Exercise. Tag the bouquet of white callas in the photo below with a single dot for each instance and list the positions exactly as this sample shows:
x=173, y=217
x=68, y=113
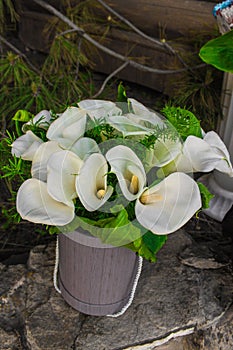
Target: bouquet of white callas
x=118, y=170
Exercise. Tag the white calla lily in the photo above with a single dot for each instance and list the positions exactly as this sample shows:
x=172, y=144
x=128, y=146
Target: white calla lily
x=181, y=163
x=41, y=119
x=41, y=157
x=98, y=109
x=208, y=154
x=91, y=182
x=26, y=145
x=163, y=152
x=63, y=167
x=128, y=127
x=167, y=206
x=225, y=165
x=84, y=147
x=128, y=169
x=68, y=128
x=142, y=115
x=36, y=205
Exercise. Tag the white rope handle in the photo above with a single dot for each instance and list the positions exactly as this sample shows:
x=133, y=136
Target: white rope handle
x=131, y=298
x=55, y=271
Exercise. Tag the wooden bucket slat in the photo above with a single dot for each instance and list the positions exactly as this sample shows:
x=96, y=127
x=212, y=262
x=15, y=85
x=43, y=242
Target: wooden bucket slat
x=95, y=281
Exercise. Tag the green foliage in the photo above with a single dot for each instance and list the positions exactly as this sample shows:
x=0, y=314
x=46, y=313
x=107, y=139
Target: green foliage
x=201, y=94
x=198, y=90
x=148, y=245
x=12, y=167
x=118, y=229
x=121, y=93
x=7, y=11
x=62, y=77
x=22, y=116
x=13, y=172
x=219, y=52
x=206, y=196
x=115, y=229
x=183, y=120
x=22, y=89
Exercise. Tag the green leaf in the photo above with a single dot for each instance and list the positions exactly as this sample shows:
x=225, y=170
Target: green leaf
x=183, y=120
x=155, y=242
x=219, y=52
x=148, y=245
x=116, y=230
x=121, y=93
x=22, y=116
x=206, y=196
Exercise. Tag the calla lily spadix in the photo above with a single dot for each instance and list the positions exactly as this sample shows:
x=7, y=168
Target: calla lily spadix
x=36, y=205
x=26, y=145
x=91, y=182
x=128, y=169
x=68, y=128
x=97, y=109
x=63, y=167
x=41, y=157
x=167, y=206
x=84, y=147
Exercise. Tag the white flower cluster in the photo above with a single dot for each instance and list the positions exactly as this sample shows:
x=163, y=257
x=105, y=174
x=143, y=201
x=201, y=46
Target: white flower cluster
x=70, y=165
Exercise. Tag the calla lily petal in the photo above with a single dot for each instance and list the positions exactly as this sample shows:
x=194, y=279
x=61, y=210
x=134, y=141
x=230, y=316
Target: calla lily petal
x=217, y=144
x=143, y=114
x=128, y=169
x=163, y=153
x=167, y=206
x=203, y=157
x=180, y=164
x=41, y=157
x=26, y=145
x=36, y=205
x=128, y=127
x=43, y=119
x=91, y=182
x=84, y=147
x=98, y=109
x=68, y=128
x=62, y=169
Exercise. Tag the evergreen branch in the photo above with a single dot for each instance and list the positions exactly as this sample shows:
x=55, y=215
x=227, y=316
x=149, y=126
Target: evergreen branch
x=21, y=54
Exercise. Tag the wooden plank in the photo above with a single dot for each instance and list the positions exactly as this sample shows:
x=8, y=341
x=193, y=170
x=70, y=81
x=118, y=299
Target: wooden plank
x=153, y=16
x=32, y=30
x=176, y=17
x=29, y=5
x=127, y=43
x=143, y=51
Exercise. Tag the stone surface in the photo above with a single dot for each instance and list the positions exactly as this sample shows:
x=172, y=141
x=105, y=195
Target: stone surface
x=9, y=340
x=180, y=304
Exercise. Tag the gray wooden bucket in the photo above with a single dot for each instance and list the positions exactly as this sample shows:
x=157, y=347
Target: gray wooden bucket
x=94, y=278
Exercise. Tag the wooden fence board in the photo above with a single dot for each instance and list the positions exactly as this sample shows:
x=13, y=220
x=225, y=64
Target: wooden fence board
x=177, y=17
